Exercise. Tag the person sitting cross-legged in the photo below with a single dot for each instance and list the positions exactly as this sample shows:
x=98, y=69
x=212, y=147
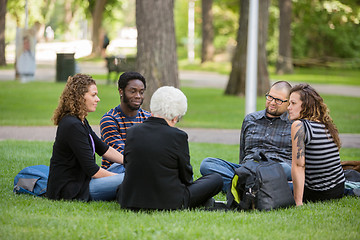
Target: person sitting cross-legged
x=114, y=123
x=74, y=174
x=268, y=131
x=156, y=157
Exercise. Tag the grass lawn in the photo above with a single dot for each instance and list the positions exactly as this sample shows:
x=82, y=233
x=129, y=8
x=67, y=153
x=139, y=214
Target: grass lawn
x=26, y=217
x=318, y=75
x=32, y=104
x=321, y=76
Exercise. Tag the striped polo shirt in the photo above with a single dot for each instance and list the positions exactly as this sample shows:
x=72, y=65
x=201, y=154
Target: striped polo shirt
x=322, y=160
x=113, y=126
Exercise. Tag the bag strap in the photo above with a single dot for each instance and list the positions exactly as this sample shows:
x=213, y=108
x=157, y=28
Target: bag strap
x=259, y=156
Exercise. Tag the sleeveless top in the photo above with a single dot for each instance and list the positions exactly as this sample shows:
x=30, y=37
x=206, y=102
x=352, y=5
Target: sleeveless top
x=323, y=170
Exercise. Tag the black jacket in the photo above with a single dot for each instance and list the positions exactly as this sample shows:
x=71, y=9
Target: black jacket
x=158, y=169
x=73, y=160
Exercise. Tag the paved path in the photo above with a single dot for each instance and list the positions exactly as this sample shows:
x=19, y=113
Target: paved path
x=223, y=136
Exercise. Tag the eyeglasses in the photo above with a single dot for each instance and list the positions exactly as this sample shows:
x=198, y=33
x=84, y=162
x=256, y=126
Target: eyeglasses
x=278, y=101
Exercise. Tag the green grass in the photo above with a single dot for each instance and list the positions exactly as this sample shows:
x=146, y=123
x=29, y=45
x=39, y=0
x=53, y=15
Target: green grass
x=8, y=66
x=321, y=76
x=33, y=104
x=219, y=67
x=317, y=75
x=27, y=217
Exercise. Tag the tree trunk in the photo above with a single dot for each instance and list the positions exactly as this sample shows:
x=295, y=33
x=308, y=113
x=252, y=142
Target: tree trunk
x=237, y=80
x=97, y=15
x=284, y=62
x=207, y=51
x=68, y=18
x=236, y=83
x=156, y=45
x=263, y=81
x=2, y=32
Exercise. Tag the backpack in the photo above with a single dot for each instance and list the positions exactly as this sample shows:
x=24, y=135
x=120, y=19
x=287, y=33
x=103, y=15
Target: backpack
x=32, y=180
x=352, y=182
x=260, y=184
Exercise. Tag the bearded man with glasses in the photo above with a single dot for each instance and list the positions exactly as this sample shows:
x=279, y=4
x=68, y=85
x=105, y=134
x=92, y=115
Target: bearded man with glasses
x=268, y=130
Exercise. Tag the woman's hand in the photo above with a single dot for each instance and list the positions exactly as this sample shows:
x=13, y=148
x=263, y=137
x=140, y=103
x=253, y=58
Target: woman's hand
x=103, y=173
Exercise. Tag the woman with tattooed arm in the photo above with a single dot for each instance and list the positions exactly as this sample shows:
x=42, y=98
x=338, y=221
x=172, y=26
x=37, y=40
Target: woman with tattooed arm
x=316, y=171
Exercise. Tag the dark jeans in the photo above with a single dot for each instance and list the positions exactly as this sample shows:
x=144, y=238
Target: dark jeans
x=203, y=189
x=227, y=170
x=314, y=196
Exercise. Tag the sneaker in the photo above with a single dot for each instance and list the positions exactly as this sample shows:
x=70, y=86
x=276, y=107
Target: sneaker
x=218, y=206
x=357, y=192
x=209, y=203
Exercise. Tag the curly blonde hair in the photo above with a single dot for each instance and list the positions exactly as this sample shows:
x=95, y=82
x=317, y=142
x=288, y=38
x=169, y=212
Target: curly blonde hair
x=314, y=109
x=72, y=101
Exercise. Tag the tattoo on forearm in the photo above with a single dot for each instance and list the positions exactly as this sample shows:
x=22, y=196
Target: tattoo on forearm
x=300, y=136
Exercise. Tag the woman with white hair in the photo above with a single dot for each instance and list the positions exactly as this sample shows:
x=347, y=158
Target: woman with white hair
x=156, y=157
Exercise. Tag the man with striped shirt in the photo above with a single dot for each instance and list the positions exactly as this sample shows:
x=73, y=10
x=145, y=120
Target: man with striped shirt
x=116, y=121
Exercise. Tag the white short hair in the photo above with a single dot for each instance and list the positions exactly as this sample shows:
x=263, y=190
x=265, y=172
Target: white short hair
x=168, y=102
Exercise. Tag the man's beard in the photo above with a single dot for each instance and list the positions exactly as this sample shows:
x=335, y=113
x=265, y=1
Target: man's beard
x=127, y=102
x=274, y=113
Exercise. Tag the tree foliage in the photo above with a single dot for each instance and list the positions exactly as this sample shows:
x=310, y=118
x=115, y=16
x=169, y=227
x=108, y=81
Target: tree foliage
x=320, y=28
x=38, y=11
x=326, y=29
x=225, y=21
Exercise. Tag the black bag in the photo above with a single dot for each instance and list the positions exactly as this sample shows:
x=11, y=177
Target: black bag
x=259, y=184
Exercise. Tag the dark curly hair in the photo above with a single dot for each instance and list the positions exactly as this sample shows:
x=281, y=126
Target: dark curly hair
x=72, y=100
x=314, y=109
x=128, y=76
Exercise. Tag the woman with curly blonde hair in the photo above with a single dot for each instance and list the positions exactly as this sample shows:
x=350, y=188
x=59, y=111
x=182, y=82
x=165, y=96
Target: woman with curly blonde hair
x=316, y=171
x=74, y=173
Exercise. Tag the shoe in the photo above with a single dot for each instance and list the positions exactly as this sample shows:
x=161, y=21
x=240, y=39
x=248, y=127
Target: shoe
x=357, y=192
x=209, y=203
x=218, y=206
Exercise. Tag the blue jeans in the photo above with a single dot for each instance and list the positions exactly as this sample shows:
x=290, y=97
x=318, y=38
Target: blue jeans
x=116, y=168
x=104, y=189
x=227, y=170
